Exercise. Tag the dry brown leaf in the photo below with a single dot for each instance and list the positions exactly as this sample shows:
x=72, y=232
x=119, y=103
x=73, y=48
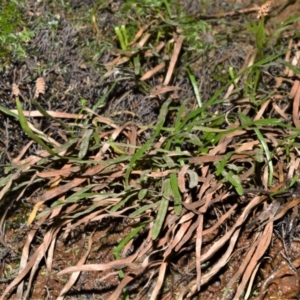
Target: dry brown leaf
x=216, y=246
x=192, y=288
x=153, y=71
x=41, y=254
x=155, y=174
x=294, y=89
x=160, y=281
x=117, y=61
x=57, y=191
x=262, y=110
x=22, y=153
x=280, y=111
x=118, y=291
x=220, y=221
x=247, y=146
x=199, y=238
x=11, y=180
x=140, y=32
x=209, y=197
x=66, y=171
x=50, y=253
x=178, y=237
x=181, y=179
x=296, y=104
x=143, y=40
x=176, y=51
x=205, y=185
x=55, y=114
x=188, y=235
x=26, y=253
x=118, y=264
x=75, y=275
x=118, y=130
x=32, y=266
x=132, y=139
x=264, y=242
x=206, y=159
x=159, y=90
x=158, y=48
x=245, y=261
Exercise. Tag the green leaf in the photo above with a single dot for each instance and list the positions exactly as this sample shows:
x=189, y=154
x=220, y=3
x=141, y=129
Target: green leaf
x=260, y=36
x=45, y=114
x=121, y=203
x=290, y=20
x=142, y=194
x=142, y=209
x=267, y=153
x=29, y=132
x=81, y=194
x=194, y=85
x=85, y=143
x=176, y=194
x=222, y=164
x=245, y=120
x=160, y=122
x=163, y=209
x=8, y=112
x=235, y=181
x=181, y=111
x=137, y=64
x=130, y=236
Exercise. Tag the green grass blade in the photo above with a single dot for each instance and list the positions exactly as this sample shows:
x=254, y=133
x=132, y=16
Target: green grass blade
x=160, y=122
x=195, y=86
x=100, y=102
x=176, y=194
x=120, y=37
x=268, y=154
x=45, y=114
x=85, y=143
x=142, y=194
x=81, y=194
x=163, y=209
x=222, y=164
x=29, y=132
x=235, y=181
x=8, y=112
x=122, y=203
x=130, y=236
x=142, y=209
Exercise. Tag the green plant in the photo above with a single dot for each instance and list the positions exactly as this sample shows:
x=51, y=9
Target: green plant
x=177, y=189
x=14, y=35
